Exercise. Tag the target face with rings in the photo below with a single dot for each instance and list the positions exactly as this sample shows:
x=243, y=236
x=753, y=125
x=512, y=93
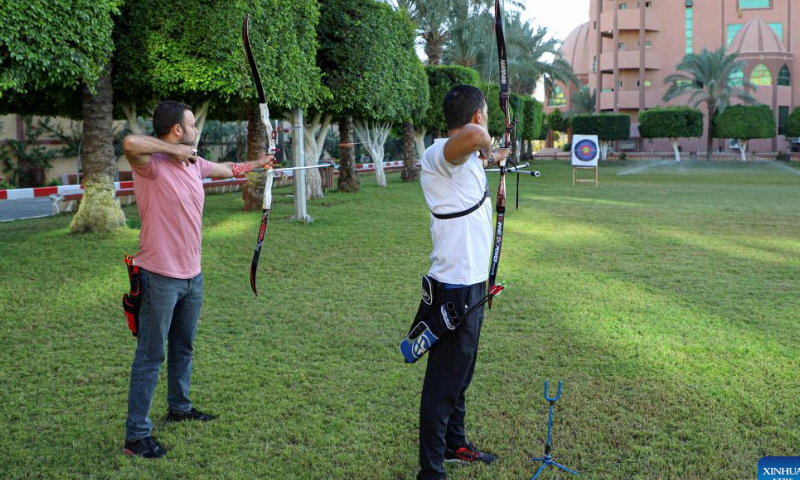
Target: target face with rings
x=586, y=150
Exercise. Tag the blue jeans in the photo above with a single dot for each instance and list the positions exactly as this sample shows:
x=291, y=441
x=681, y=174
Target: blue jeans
x=169, y=312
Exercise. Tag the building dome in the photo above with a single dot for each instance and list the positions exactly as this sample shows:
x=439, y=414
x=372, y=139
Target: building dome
x=756, y=37
x=575, y=50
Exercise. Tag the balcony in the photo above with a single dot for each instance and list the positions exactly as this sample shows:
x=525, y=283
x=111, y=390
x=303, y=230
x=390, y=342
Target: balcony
x=629, y=99
x=628, y=19
x=629, y=60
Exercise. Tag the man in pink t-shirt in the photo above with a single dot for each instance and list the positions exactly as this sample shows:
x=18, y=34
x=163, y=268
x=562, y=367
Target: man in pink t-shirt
x=168, y=184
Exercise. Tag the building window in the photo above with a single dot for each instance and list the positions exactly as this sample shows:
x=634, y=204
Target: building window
x=761, y=75
x=619, y=84
x=607, y=90
x=558, y=99
x=778, y=29
x=783, y=114
x=648, y=4
x=594, y=64
x=746, y=4
x=737, y=78
x=733, y=29
x=784, y=77
x=646, y=83
x=689, y=27
x=647, y=44
x=623, y=6
x=622, y=45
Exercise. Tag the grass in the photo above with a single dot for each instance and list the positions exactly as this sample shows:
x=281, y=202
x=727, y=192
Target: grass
x=667, y=301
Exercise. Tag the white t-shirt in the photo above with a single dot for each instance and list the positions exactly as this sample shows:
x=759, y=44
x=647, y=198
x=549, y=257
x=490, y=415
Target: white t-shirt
x=462, y=247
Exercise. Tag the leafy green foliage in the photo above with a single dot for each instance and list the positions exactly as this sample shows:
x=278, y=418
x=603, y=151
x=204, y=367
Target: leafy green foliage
x=54, y=43
x=557, y=122
x=706, y=78
x=745, y=122
x=162, y=55
x=497, y=119
x=584, y=101
x=793, y=123
x=367, y=53
x=671, y=122
x=515, y=105
x=607, y=126
x=441, y=79
x=532, y=111
x=544, y=130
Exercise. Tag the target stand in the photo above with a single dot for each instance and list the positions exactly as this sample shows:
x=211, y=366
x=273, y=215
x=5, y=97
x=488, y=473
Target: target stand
x=576, y=180
x=585, y=152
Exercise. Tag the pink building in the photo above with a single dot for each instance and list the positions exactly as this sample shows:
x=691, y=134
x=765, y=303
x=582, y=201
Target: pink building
x=628, y=47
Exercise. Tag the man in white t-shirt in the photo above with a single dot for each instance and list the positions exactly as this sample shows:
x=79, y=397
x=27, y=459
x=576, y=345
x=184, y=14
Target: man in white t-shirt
x=456, y=191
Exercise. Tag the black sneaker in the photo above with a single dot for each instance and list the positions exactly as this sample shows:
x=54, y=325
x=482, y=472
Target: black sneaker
x=192, y=414
x=146, y=447
x=468, y=454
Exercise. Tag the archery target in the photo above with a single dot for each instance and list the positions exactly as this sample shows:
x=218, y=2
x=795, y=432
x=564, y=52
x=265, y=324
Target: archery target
x=585, y=151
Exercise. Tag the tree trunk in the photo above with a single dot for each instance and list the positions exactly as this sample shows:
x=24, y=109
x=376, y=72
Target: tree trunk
x=200, y=115
x=99, y=210
x=743, y=149
x=348, y=177
x=419, y=141
x=253, y=190
x=513, y=155
x=314, y=132
x=129, y=110
x=675, y=149
x=433, y=47
x=710, y=141
x=409, y=159
x=604, y=144
x=372, y=134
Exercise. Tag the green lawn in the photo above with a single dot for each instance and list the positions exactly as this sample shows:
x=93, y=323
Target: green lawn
x=667, y=300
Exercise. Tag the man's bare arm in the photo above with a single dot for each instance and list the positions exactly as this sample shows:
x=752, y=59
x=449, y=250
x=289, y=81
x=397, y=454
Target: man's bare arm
x=226, y=169
x=138, y=149
x=470, y=139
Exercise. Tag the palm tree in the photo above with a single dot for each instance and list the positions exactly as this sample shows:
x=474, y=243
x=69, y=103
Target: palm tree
x=707, y=77
x=472, y=44
x=583, y=102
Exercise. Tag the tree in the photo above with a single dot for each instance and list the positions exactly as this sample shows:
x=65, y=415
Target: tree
x=438, y=21
x=607, y=126
x=516, y=113
x=583, y=102
x=706, y=77
x=409, y=173
x=557, y=122
x=744, y=123
x=672, y=123
x=441, y=79
x=793, y=124
x=532, y=111
x=366, y=50
x=53, y=47
x=530, y=53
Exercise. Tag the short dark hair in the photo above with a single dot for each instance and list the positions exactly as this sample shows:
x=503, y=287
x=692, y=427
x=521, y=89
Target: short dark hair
x=167, y=114
x=460, y=103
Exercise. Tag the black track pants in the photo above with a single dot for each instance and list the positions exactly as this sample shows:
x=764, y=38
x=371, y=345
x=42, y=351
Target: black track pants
x=451, y=363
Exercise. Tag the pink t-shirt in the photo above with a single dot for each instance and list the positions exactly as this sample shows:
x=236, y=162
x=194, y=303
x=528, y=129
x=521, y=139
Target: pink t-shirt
x=170, y=199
